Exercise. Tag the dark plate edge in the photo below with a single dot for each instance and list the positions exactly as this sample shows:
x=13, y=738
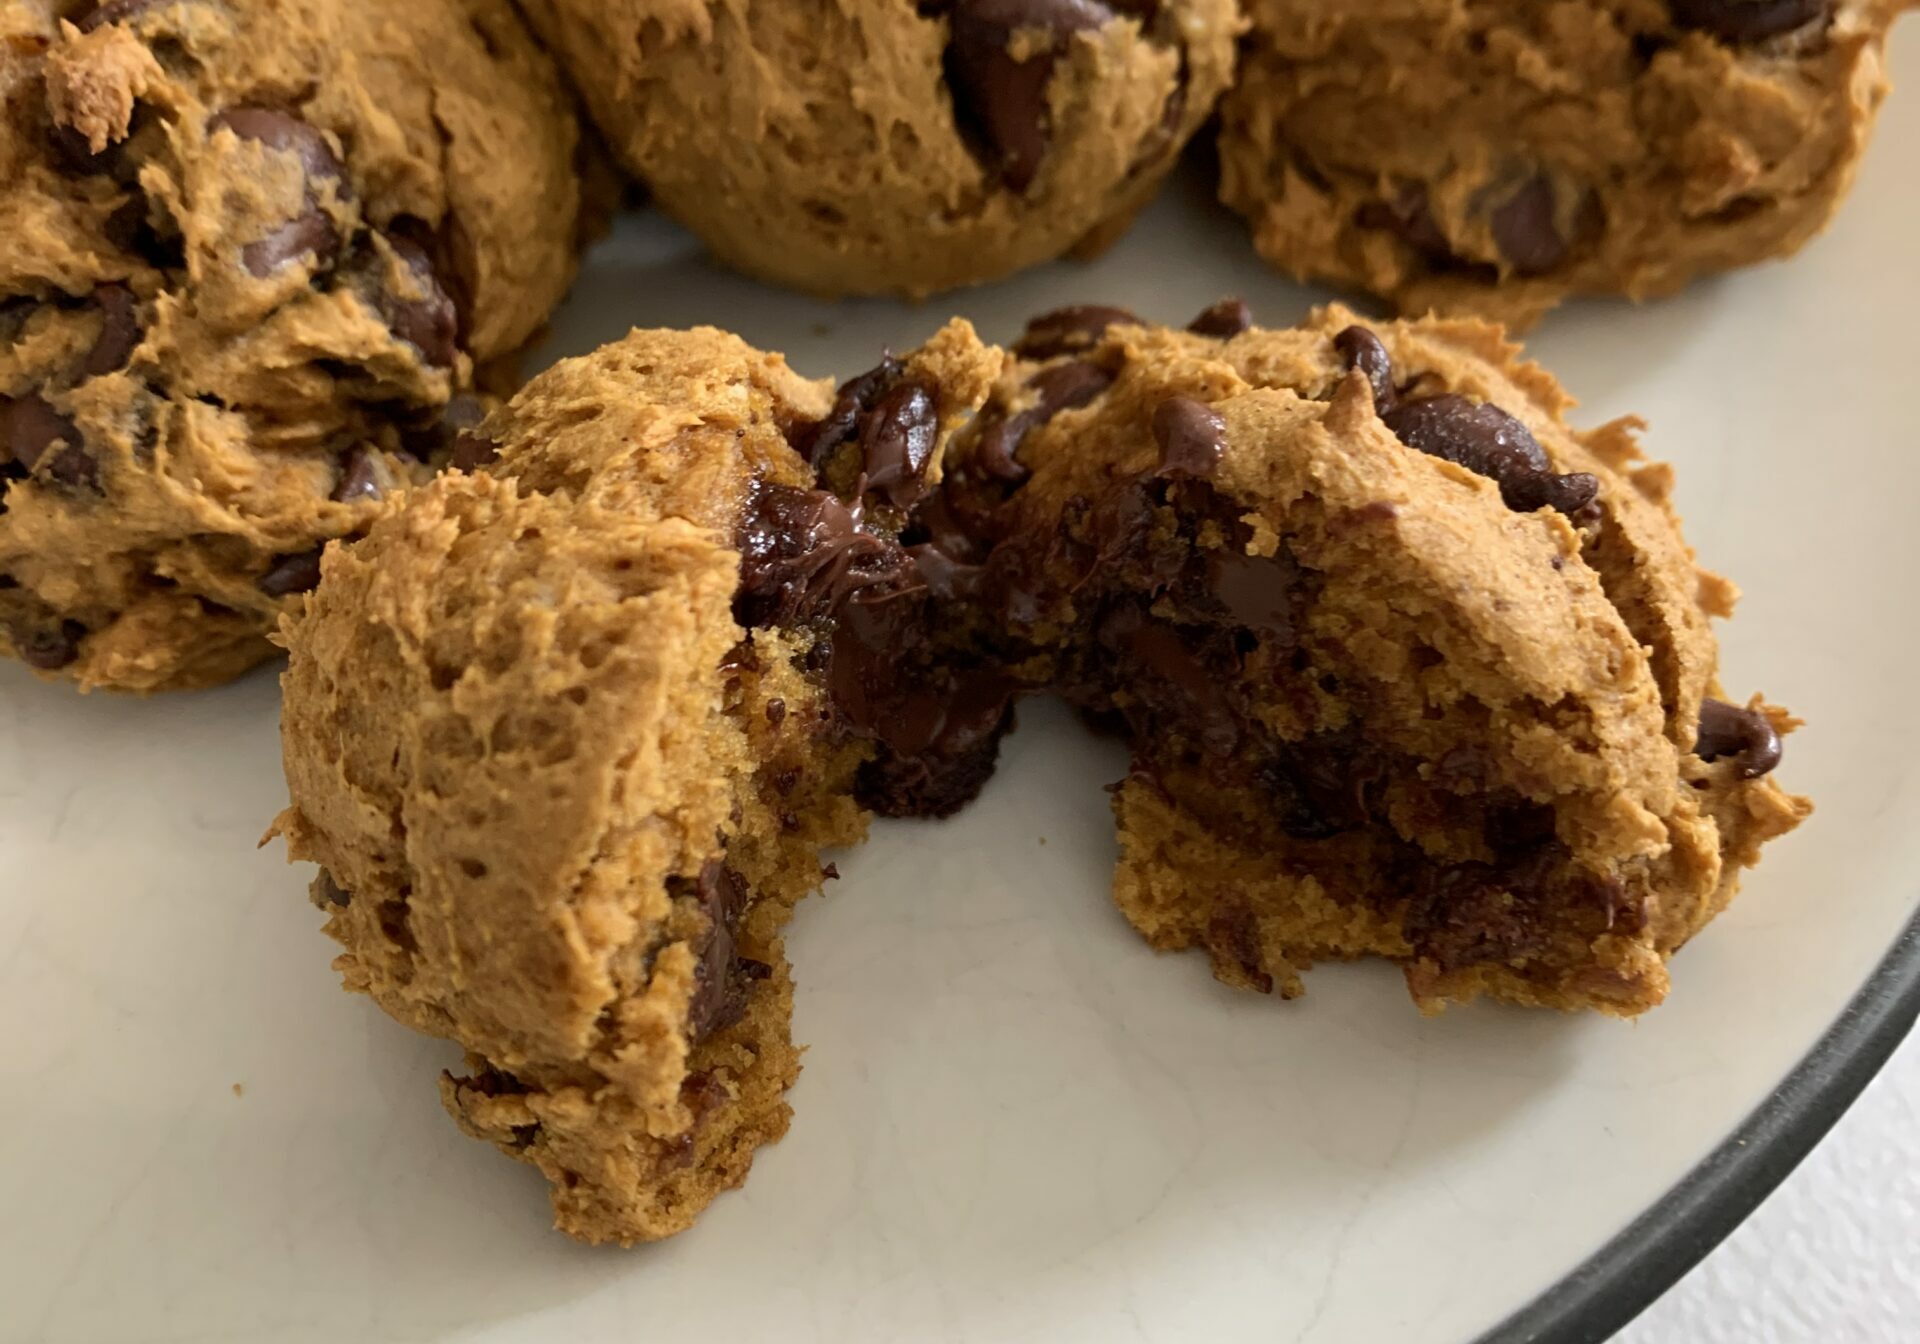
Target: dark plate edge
x=1656, y=1250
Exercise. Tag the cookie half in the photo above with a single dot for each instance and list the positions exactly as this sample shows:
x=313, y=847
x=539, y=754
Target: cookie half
x=568, y=736
x=1409, y=668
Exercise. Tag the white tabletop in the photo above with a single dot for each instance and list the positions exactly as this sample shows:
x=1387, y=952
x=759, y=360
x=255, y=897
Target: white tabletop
x=1833, y=1254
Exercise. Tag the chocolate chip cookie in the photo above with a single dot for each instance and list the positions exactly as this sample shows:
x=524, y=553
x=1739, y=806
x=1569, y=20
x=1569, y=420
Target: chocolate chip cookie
x=1494, y=157
x=887, y=146
x=254, y=258
x=1409, y=668
x=568, y=734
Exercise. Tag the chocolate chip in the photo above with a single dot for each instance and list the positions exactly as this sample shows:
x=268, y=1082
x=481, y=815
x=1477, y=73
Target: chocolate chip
x=816, y=440
x=1488, y=442
x=129, y=229
x=719, y=996
x=126, y=228
x=1465, y=914
x=311, y=231
x=1192, y=436
x=1746, y=735
x=29, y=426
x=1169, y=679
x=114, y=11
x=952, y=756
x=897, y=439
x=1002, y=99
x=472, y=451
x=1363, y=351
x=803, y=553
x=359, y=477
x=1525, y=230
x=1067, y=330
x=945, y=577
x=430, y=323
x=309, y=234
x=776, y=712
x=1225, y=319
x=334, y=893
x=119, y=331
x=1409, y=215
x=1747, y=20
x=293, y=573
x=1062, y=387
x=1260, y=593
x=51, y=648
x=73, y=467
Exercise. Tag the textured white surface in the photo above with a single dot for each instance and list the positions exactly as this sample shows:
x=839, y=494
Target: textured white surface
x=1016, y=1122
x=1833, y=1255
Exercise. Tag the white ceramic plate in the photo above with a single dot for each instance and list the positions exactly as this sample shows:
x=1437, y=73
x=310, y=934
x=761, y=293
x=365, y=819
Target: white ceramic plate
x=1016, y=1122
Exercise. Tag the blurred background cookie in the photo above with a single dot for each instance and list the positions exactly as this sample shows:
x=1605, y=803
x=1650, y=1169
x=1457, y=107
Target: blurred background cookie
x=256, y=259
x=883, y=146
x=1496, y=156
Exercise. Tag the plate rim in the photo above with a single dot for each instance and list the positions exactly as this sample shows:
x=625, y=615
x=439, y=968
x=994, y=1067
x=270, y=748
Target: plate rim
x=1638, y=1264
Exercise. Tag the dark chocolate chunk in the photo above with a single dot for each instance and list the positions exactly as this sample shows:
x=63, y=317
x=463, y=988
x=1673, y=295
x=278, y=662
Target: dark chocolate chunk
x=1061, y=387
x=472, y=451
x=1746, y=735
x=30, y=426
x=815, y=440
x=129, y=229
x=119, y=331
x=1408, y=215
x=1465, y=914
x=1225, y=319
x=1171, y=682
x=1260, y=593
x=430, y=322
x=1525, y=230
x=1192, y=436
x=1363, y=351
x=293, y=573
x=776, y=712
x=1065, y=331
x=334, y=893
x=1747, y=20
x=50, y=648
x=897, y=438
x=74, y=467
x=1322, y=785
x=803, y=554
x=1000, y=99
x=1488, y=442
x=957, y=732
x=311, y=231
x=359, y=477
x=720, y=994
x=944, y=576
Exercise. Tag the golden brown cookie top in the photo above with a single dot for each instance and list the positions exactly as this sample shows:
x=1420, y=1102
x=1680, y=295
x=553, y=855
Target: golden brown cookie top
x=881, y=146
